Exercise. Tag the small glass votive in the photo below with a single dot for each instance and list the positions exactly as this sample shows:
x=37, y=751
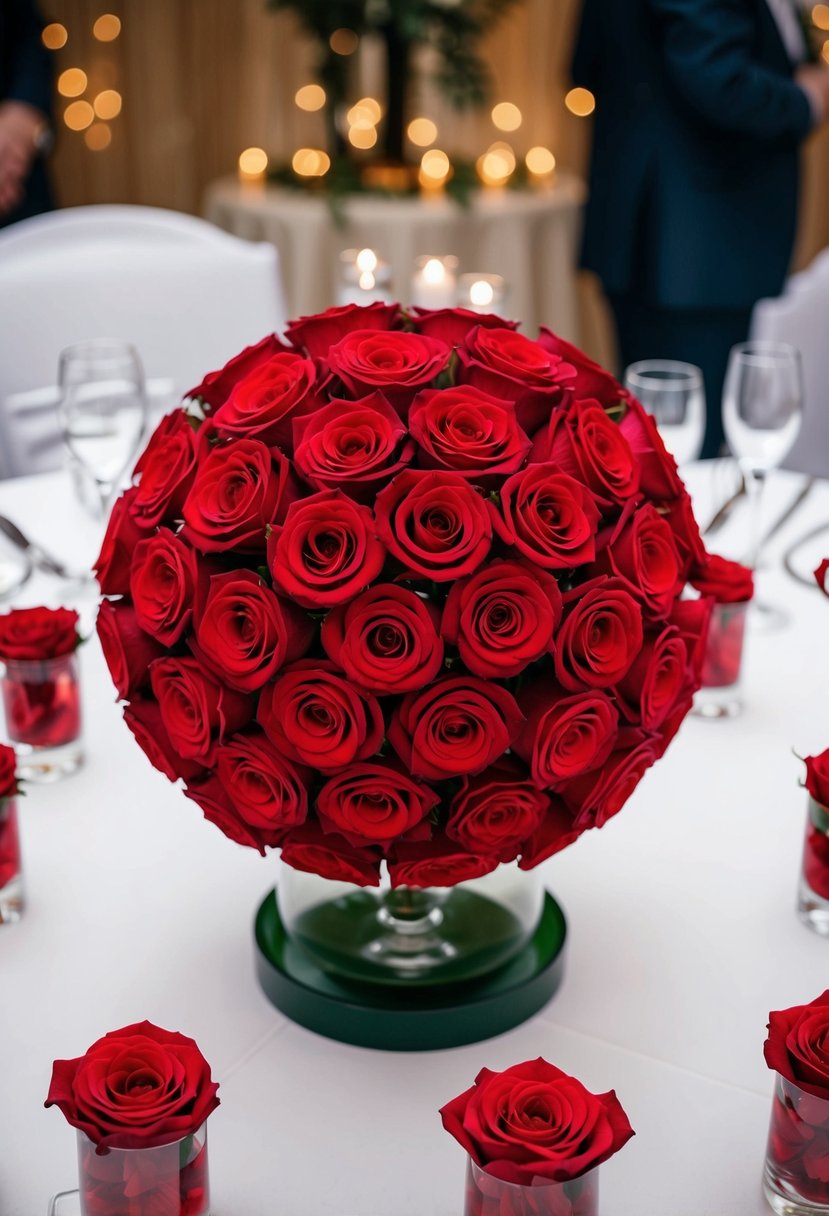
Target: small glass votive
x=719, y=696
x=435, y=282
x=364, y=278
x=813, y=889
x=11, y=876
x=168, y=1180
x=488, y=1196
x=483, y=293
x=42, y=704
x=795, y=1179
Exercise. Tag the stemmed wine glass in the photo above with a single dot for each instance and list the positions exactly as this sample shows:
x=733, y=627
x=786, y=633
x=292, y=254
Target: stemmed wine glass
x=762, y=414
x=673, y=392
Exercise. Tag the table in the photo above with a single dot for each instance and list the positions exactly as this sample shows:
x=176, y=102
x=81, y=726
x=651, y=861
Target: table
x=682, y=937
x=528, y=236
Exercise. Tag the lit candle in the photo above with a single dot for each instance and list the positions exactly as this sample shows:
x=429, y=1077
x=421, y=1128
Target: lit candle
x=364, y=278
x=253, y=166
x=541, y=165
x=481, y=292
x=435, y=282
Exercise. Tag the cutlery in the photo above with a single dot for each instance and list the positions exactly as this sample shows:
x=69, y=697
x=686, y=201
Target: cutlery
x=802, y=494
x=38, y=556
x=721, y=515
x=788, y=556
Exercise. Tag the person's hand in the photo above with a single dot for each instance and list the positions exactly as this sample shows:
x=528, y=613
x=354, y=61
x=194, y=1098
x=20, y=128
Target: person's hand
x=20, y=126
x=814, y=81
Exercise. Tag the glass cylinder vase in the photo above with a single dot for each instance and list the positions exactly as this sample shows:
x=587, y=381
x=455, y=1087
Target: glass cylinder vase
x=813, y=890
x=42, y=704
x=719, y=696
x=795, y=1179
x=488, y=1196
x=411, y=935
x=167, y=1180
x=11, y=877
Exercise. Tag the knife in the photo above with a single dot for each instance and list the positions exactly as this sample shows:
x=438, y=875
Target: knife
x=803, y=493
x=38, y=557
x=722, y=514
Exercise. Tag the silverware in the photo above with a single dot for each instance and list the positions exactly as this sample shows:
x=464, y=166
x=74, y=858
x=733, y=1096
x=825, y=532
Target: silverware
x=721, y=515
x=802, y=494
x=38, y=556
x=788, y=564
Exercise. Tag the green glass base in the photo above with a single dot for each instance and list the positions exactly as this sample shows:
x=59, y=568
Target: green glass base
x=397, y=1018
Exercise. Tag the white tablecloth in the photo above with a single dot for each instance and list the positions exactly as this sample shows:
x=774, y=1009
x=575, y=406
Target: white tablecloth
x=529, y=237
x=682, y=937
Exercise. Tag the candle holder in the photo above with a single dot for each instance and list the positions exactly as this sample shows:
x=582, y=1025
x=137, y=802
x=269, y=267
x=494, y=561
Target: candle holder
x=813, y=890
x=42, y=704
x=794, y=1177
x=364, y=278
x=488, y=1196
x=719, y=696
x=435, y=282
x=166, y=1180
x=483, y=293
x=11, y=878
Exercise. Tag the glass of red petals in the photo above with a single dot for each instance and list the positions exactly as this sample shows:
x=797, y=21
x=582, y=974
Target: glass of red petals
x=41, y=690
x=11, y=879
x=535, y=1138
x=796, y=1178
x=813, y=891
x=731, y=586
x=140, y=1098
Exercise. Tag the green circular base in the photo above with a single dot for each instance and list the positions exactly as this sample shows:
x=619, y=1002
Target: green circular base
x=411, y=1019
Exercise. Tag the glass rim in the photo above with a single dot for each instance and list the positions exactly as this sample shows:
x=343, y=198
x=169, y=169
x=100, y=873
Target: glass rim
x=531, y=1186
x=101, y=351
x=7, y=664
x=762, y=350
x=675, y=374
x=143, y=1148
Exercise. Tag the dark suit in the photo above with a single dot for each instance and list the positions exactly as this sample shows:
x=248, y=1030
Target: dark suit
x=26, y=75
x=693, y=180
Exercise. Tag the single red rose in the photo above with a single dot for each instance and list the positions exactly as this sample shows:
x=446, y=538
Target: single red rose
x=565, y=734
x=326, y=551
x=386, y=640
x=314, y=716
x=502, y=618
x=600, y=636
x=398, y=364
x=245, y=634
x=591, y=380
x=458, y=725
x=216, y=387
x=316, y=335
x=596, y=796
x=436, y=863
x=660, y=677
x=263, y=404
x=724, y=653
x=267, y=791
x=218, y=808
x=728, y=582
x=659, y=478
x=165, y=470
x=816, y=859
x=41, y=699
x=373, y=804
x=8, y=771
x=550, y=518
x=143, y=717
x=495, y=811
x=128, y=650
x=38, y=633
x=533, y=1122
x=163, y=584
x=822, y=575
x=642, y=553
x=556, y=831
x=198, y=712
x=354, y=446
x=434, y=523
x=137, y=1087
x=309, y=848
x=451, y=325
x=586, y=444
x=113, y=564
x=817, y=777
x=468, y=432
x=514, y=368
x=797, y=1046
x=240, y=488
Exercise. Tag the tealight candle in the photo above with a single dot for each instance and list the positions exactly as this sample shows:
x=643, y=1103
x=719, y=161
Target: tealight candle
x=435, y=282
x=364, y=278
x=482, y=293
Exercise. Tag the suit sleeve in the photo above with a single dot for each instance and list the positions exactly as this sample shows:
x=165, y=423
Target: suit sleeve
x=707, y=52
x=31, y=65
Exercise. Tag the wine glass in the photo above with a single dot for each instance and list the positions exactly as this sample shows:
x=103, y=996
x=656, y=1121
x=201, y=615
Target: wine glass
x=673, y=393
x=762, y=415
x=102, y=408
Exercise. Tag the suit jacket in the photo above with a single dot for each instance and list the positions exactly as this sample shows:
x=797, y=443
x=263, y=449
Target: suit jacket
x=694, y=170
x=26, y=75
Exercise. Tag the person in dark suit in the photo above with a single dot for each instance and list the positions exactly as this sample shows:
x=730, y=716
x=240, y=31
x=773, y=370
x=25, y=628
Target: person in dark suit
x=25, y=110
x=701, y=106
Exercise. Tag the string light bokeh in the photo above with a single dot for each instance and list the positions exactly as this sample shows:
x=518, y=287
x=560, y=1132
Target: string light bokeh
x=93, y=102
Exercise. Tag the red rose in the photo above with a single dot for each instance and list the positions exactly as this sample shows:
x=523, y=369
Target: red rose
x=114, y=562
x=434, y=523
x=38, y=633
x=817, y=777
x=137, y=1087
x=267, y=791
x=556, y=831
x=165, y=469
x=643, y=554
x=797, y=1046
x=217, y=807
x=197, y=711
x=821, y=576
x=315, y=717
x=386, y=640
x=355, y=446
x=565, y=734
x=678, y=514
x=326, y=551
x=584, y=442
x=729, y=582
x=143, y=717
x=532, y=1122
x=659, y=476
x=216, y=386
x=436, y=863
x=263, y=403
x=238, y=491
x=163, y=584
x=600, y=636
x=451, y=325
x=245, y=634
x=514, y=368
x=549, y=517
x=469, y=432
x=372, y=804
x=591, y=380
x=502, y=618
x=8, y=771
x=693, y=618
x=596, y=796
x=319, y=333
x=661, y=676
x=332, y=857
x=127, y=649
x=396, y=363
x=458, y=725
x=494, y=812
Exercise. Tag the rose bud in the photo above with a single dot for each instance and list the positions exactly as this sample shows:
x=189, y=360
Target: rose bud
x=435, y=524
x=316, y=335
x=163, y=584
x=397, y=364
x=598, y=795
x=468, y=432
x=165, y=472
x=113, y=564
x=127, y=649
x=452, y=325
x=143, y=717
x=354, y=446
x=309, y=848
x=510, y=366
x=586, y=443
x=374, y=804
x=197, y=711
x=436, y=863
x=550, y=518
x=565, y=734
x=263, y=404
x=216, y=387
x=643, y=554
x=268, y=791
x=238, y=491
x=600, y=636
x=495, y=811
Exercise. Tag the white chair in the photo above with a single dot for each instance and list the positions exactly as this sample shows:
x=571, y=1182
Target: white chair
x=187, y=295
x=801, y=317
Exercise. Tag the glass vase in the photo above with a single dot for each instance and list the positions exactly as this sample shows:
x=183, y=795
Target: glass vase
x=11, y=877
x=42, y=704
x=411, y=935
x=795, y=1177
x=168, y=1180
x=813, y=890
x=719, y=696
x=488, y=1196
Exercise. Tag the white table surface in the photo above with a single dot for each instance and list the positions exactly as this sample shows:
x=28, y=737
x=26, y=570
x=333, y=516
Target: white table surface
x=682, y=937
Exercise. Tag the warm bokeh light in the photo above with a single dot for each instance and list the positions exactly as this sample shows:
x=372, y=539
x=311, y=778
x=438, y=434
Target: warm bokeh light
x=434, y=166
x=580, y=102
x=108, y=104
x=310, y=162
x=362, y=137
x=497, y=165
x=54, y=36
x=540, y=161
x=820, y=16
x=78, y=115
x=366, y=260
x=506, y=116
x=367, y=281
x=343, y=42
x=253, y=162
x=422, y=131
x=310, y=97
x=434, y=272
x=825, y=51
x=98, y=137
x=365, y=113
x=481, y=293
x=107, y=27
x=72, y=82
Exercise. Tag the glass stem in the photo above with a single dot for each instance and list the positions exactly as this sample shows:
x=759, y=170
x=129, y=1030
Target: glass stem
x=754, y=481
